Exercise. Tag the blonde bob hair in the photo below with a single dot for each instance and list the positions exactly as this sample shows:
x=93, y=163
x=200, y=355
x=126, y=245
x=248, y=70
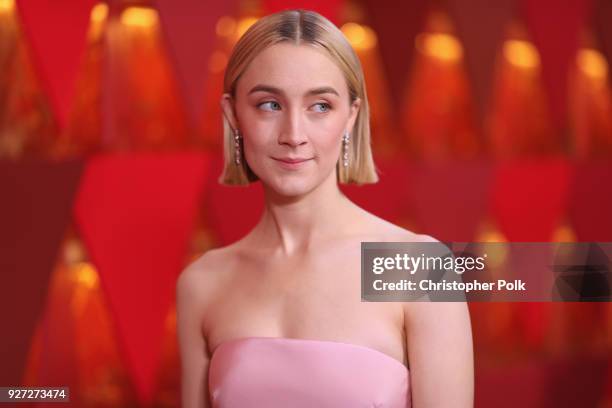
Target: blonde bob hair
x=298, y=27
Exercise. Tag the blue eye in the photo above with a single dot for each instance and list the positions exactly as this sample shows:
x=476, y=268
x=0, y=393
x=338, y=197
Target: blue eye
x=326, y=105
x=269, y=102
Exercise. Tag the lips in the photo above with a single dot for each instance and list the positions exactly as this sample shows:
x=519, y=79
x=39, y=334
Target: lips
x=291, y=160
x=292, y=163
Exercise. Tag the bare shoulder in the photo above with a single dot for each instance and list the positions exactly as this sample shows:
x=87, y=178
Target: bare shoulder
x=435, y=312
x=418, y=313
x=388, y=232
x=385, y=231
x=199, y=280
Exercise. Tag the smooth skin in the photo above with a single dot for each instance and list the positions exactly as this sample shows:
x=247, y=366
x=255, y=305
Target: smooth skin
x=297, y=273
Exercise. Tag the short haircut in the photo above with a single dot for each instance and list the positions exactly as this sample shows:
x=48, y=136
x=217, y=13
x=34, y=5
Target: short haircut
x=299, y=27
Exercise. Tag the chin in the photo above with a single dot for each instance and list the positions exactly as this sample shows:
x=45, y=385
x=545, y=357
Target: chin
x=289, y=186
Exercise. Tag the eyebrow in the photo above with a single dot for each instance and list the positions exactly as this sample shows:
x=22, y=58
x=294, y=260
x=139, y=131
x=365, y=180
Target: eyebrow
x=277, y=91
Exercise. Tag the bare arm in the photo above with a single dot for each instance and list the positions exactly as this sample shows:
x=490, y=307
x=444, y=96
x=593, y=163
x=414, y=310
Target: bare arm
x=192, y=344
x=440, y=351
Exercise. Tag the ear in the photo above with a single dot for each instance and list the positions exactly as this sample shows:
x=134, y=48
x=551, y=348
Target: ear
x=227, y=107
x=353, y=114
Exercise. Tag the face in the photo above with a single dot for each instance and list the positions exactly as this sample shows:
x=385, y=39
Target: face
x=292, y=107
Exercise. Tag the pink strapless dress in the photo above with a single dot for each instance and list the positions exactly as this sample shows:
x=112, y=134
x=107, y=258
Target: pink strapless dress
x=284, y=372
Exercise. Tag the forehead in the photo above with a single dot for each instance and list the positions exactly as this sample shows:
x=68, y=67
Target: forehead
x=293, y=68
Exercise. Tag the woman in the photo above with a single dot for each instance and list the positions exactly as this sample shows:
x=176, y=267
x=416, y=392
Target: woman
x=275, y=319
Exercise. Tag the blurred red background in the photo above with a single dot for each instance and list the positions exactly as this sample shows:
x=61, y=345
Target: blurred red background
x=491, y=121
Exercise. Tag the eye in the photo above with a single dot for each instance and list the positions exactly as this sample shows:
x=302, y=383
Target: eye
x=273, y=104
x=325, y=106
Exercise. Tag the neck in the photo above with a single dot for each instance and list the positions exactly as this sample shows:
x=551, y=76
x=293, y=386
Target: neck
x=290, y=224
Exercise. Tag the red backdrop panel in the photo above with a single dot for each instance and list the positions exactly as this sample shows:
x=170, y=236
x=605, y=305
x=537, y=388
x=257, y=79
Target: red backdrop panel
x=481, y=25
x=556, y=27
x=396, y=24
x=450, y=199
x=57, y=35
x=329, y=9
x=590, y=207
x=136, y=214
x=231, y=211
x=35, y=211
x=530, y=197
x=189, y=27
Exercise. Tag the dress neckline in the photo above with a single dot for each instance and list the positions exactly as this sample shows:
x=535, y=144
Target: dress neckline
x=238, y=340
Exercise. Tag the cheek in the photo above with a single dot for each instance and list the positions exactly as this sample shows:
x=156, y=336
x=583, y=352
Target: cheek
x=329, y=146
x=331, y=131
x=254, y=132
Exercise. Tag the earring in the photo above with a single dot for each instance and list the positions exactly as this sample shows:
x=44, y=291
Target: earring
x=237, y=146
x=345, y=145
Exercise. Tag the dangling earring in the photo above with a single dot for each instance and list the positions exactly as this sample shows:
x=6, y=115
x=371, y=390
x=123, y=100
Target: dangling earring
x=237, y=146
x=345, y=146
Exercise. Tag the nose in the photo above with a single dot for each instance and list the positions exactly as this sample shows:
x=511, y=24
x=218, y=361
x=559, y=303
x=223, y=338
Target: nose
x=292, y=133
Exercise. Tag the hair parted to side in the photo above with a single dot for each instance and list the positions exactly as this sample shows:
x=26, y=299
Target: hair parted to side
x=298, y=27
